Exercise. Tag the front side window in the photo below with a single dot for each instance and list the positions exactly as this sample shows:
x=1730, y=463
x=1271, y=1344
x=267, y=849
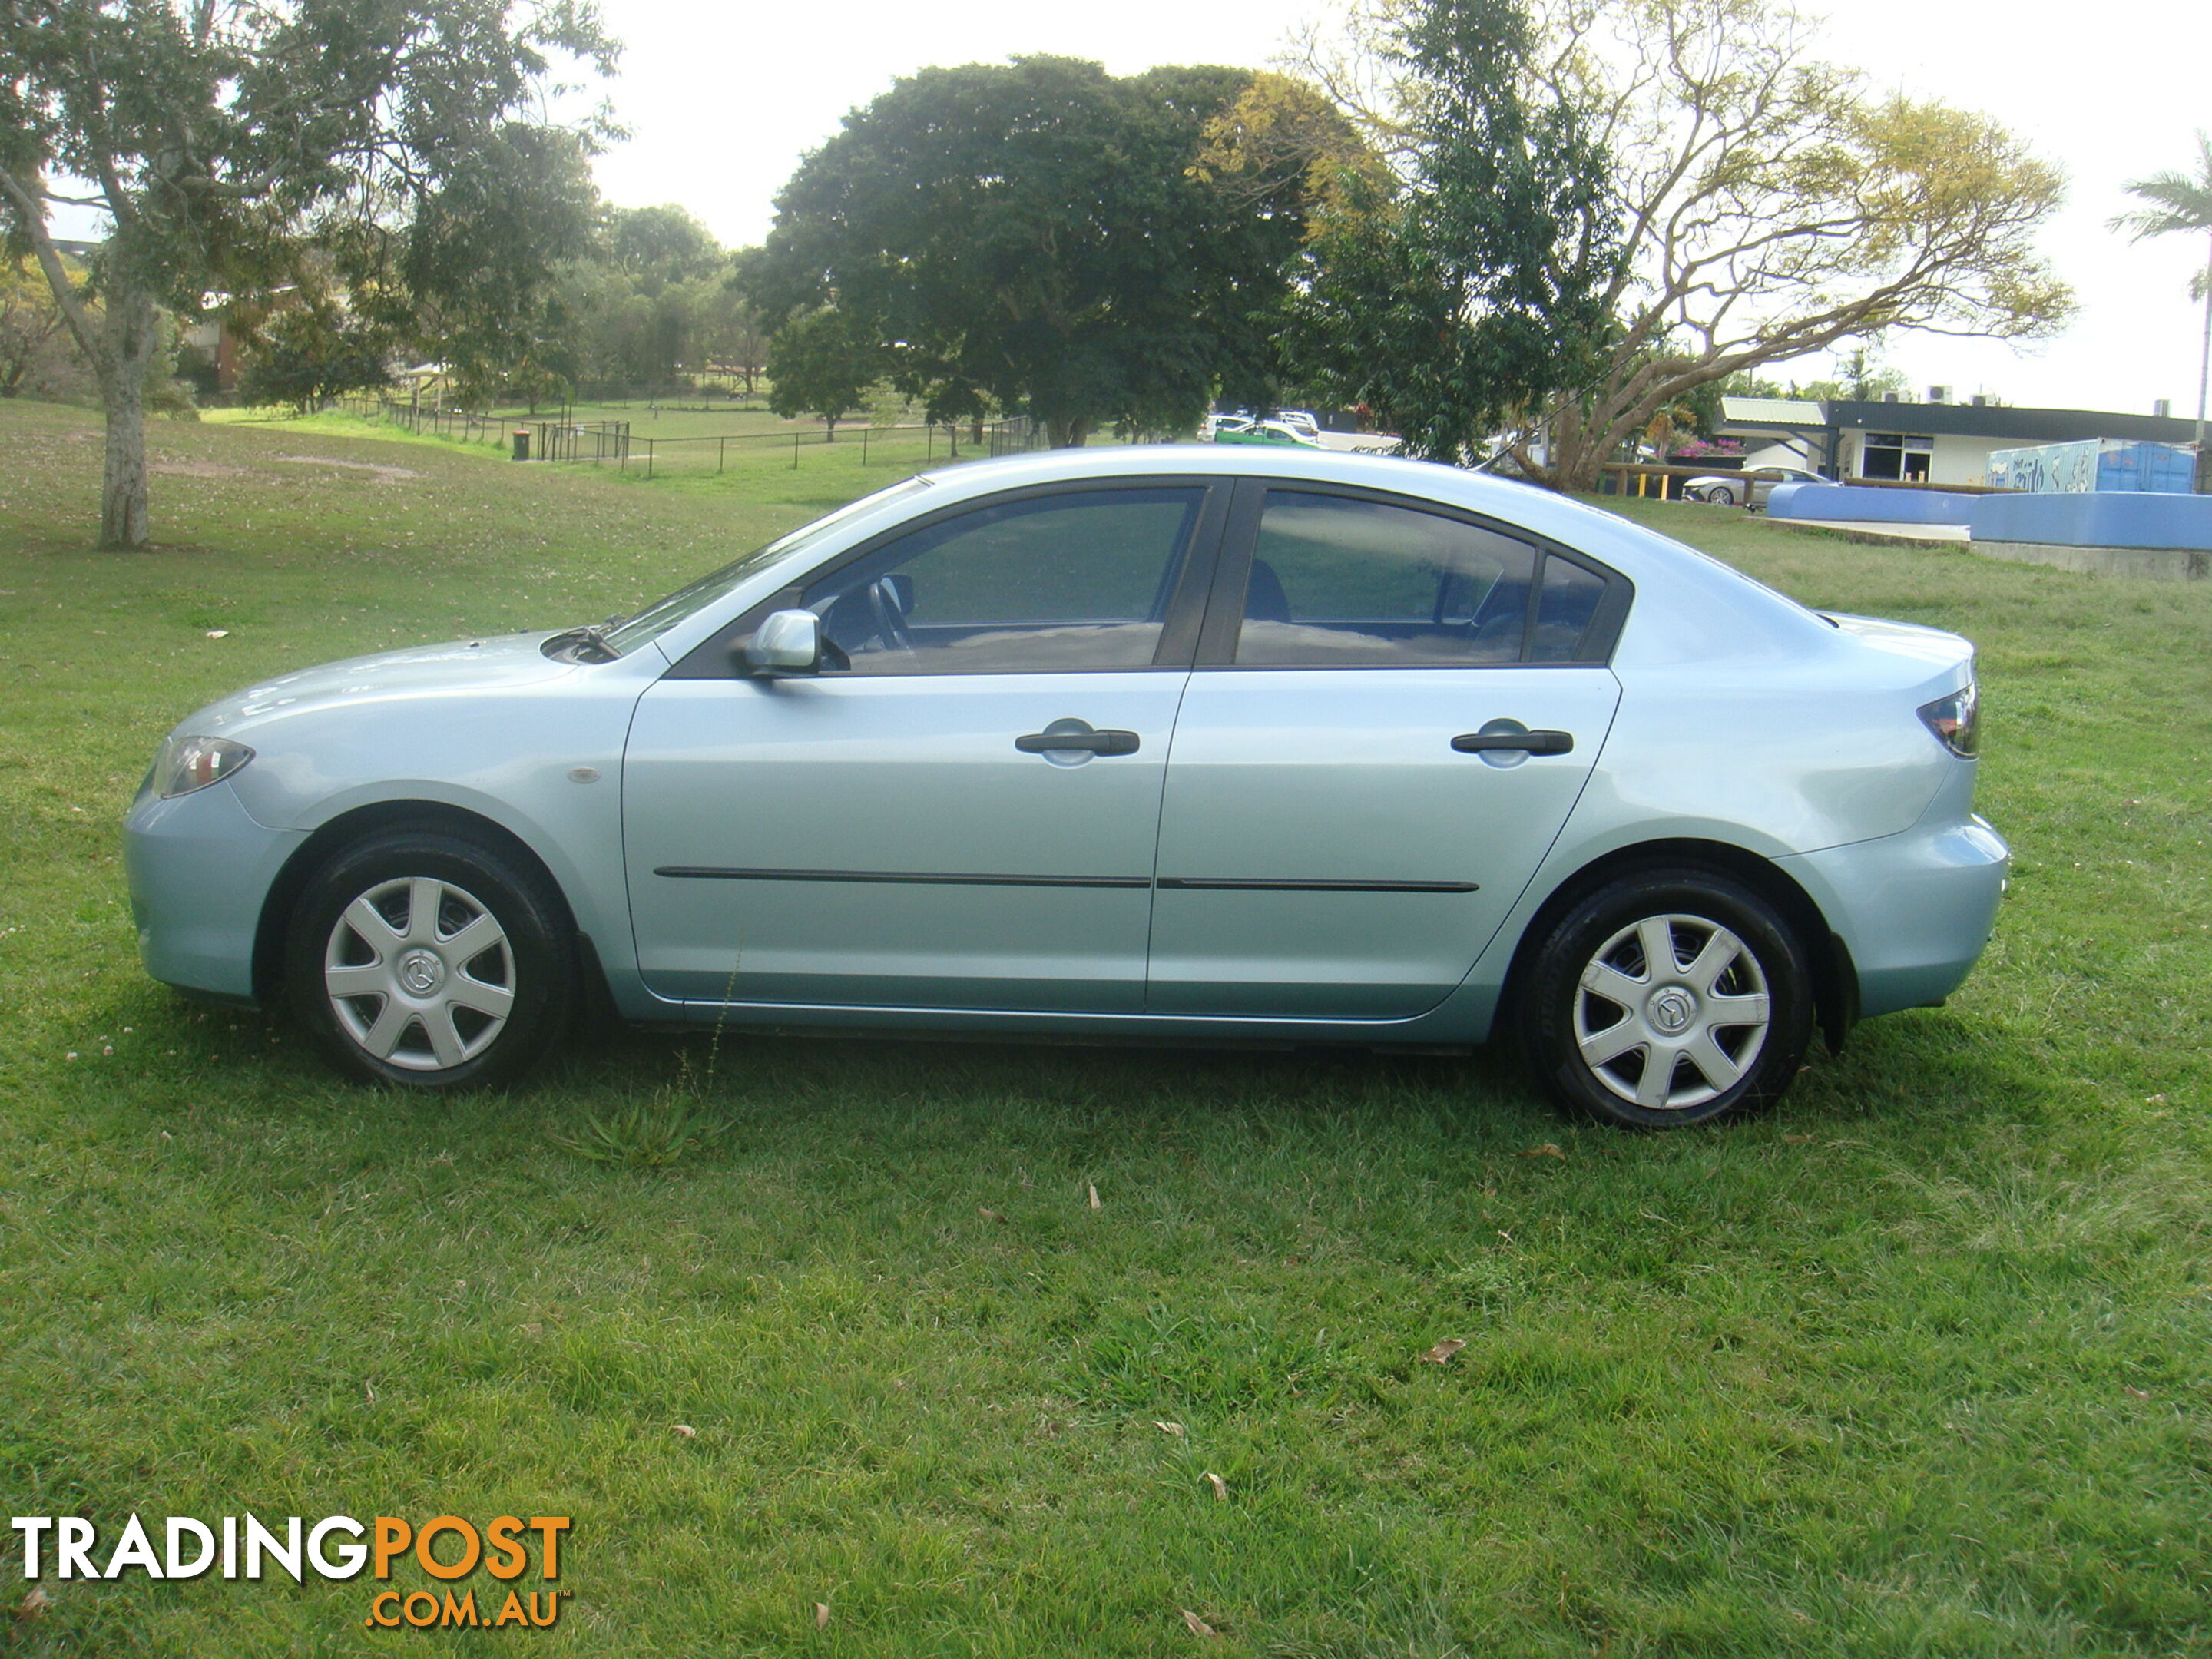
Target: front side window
x=1060, y=583
x=1338, y=581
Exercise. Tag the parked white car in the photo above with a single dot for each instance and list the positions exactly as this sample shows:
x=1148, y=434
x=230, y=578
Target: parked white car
x=1749, y=488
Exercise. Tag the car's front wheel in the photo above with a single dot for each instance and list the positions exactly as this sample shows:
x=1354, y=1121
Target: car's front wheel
x=426, y=958
x=1667, y=997
x=1721, y=496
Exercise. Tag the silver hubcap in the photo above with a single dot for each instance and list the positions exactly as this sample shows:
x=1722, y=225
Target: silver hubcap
x=1671, y=1010
x=419, y=974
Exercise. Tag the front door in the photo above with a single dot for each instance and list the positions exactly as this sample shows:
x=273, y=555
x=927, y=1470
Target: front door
x=1394, y=711
x=961, y=814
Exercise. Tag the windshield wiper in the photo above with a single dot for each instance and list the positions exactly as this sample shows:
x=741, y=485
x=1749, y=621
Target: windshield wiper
x=586, y=644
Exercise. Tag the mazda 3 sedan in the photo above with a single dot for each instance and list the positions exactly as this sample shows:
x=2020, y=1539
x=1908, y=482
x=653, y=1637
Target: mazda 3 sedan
x=1178, y=743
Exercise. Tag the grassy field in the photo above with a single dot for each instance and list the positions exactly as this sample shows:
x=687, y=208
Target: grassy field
x=1916, y=1365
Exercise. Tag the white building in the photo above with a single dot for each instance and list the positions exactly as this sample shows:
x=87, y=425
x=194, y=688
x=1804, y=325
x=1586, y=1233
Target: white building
x=1937, y=441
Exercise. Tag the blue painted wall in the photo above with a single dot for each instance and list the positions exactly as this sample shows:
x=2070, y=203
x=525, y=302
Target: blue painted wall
x=1852, y=504
x=2100, y=518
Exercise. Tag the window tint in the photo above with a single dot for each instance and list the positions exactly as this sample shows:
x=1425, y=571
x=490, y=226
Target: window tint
x=1053, y=583
x=1342, y=582
x=1564, y=610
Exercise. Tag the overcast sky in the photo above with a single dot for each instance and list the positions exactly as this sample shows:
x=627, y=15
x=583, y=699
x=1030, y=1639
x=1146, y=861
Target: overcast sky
x=721, y=101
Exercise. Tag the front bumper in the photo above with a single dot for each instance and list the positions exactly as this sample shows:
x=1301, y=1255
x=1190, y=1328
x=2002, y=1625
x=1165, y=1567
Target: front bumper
x=1916, y=910
x=200, y=869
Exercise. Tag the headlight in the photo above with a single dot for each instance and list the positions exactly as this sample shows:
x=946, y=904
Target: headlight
x=188, y=763
x=1957, y=721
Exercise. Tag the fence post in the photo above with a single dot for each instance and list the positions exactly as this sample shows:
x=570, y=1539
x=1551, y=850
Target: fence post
x=648, y=458
x=864, y=445
x=795, y=451
x=721, y=449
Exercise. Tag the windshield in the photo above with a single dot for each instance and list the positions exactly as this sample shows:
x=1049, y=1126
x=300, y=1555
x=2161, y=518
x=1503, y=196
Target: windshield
x=658, y=619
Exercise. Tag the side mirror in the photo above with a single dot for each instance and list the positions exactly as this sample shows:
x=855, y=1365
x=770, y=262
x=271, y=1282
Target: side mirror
x=788, y=642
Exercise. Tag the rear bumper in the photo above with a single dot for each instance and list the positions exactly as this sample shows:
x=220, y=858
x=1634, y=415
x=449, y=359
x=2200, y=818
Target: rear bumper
x=200, y=869
x=1916, y=910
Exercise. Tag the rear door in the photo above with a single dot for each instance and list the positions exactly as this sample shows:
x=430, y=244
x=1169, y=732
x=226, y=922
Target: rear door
x=1394, y=709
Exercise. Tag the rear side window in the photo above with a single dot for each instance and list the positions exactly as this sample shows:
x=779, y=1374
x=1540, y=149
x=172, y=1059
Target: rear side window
x=1340, y=581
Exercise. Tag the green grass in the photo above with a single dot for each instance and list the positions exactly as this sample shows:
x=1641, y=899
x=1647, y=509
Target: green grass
x=1916, y=1365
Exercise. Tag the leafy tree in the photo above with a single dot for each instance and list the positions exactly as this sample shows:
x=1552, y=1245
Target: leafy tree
x=470, y=279
x=654, y=297
x=223, y=139
x=1469, y=279
x=37, y=357
x=659, y=246
x=1034, y=234
x=1769, y=207
x=1859, y=378
x=314, y=350
x=2179, y=204
x=821, y=363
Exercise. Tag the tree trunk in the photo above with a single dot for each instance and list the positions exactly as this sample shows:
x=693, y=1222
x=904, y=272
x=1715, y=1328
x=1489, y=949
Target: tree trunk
x=132, y=333
x=1067, y=431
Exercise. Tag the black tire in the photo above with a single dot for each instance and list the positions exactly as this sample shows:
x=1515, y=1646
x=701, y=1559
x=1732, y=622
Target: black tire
x=493, y=1001
x=1595, y=1053
x=1722, y=496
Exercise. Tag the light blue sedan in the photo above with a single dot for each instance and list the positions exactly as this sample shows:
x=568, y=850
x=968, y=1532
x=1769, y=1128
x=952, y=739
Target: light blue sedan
x=1162, y=743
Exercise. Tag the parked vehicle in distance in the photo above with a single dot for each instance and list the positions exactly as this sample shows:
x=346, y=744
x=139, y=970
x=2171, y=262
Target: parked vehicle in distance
x=1266, y=432
x=1214, y=425
x=1749, y=488
x=1205, y=742
x=1300, y=421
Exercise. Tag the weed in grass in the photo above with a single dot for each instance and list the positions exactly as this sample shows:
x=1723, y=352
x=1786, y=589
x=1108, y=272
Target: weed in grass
x=649, y=1133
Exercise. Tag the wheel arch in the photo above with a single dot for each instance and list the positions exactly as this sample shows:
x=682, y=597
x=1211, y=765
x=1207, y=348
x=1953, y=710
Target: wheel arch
x=1835, y=976
x=311, y=855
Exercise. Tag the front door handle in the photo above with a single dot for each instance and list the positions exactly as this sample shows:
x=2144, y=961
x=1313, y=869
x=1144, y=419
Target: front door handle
x=1533, y=743
x=1108, y=741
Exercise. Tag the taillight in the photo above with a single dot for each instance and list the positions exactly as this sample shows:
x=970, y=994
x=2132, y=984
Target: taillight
x=1956, y=720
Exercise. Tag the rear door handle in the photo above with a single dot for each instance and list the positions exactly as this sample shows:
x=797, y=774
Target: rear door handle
x=1533, y=743
x=1108, y=741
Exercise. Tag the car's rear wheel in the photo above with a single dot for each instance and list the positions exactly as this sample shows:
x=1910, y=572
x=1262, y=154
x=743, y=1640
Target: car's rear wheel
x=425, y=958
x=1667, y=997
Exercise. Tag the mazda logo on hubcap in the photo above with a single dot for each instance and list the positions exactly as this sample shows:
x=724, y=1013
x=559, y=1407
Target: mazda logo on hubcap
x=1673, y=1009
x=420, y=972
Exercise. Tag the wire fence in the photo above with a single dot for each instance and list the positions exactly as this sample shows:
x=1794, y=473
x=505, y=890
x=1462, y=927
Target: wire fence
x=615, y=442
x=459, y=425
x=612, y=442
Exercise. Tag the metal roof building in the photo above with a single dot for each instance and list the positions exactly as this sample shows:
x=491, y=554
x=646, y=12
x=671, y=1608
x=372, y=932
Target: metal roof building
x=1936, y=442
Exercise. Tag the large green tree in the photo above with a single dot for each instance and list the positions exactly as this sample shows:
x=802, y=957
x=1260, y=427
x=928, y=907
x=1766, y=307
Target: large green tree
x=2180, y=204
x=225, y=141
x=1035, y=233
x=821, y=363
x=1769, y=207
x=1468, y=277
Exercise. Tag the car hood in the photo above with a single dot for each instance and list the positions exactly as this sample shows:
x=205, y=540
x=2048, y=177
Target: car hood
x=504, y=661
